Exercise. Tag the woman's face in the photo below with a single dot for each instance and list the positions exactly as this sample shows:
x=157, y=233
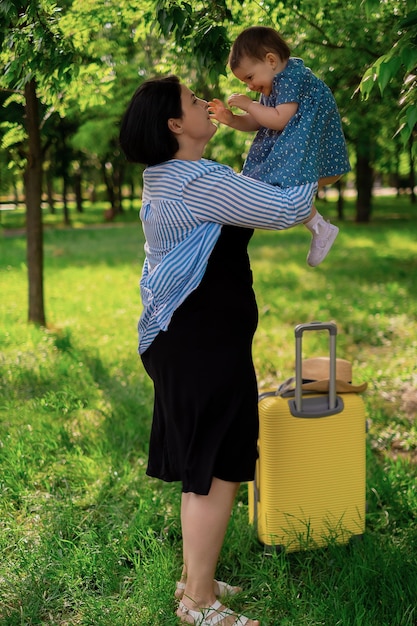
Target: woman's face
x=196, y=122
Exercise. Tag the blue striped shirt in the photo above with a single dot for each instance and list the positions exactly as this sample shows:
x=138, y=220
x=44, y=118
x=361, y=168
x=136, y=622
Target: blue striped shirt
x=184, y=205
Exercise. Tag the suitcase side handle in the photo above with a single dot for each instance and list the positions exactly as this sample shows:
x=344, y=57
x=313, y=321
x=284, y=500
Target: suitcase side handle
x=321, y=406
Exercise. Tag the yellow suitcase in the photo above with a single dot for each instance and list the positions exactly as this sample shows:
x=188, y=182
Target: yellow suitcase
x=310, y=482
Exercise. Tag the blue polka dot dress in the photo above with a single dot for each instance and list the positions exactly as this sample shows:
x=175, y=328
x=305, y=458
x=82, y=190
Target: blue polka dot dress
x=312, y=144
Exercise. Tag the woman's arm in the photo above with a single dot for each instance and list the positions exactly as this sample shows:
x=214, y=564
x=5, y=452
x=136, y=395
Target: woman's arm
x=224, y=197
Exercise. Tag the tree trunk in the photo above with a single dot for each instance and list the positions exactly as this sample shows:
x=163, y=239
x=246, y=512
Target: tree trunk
x=78, y=190
x=132, y=195
x=364, y=185
x=67, y=220
x=33, y=193
x=340, y=200
x=50, y=191
x=63, y=170
x=16, y=195
x=108, y=181
x=118, y=184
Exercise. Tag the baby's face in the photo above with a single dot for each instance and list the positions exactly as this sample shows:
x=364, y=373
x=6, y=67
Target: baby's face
x=257, y=75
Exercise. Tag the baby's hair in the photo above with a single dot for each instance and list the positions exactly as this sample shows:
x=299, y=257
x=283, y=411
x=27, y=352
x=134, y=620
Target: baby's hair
x=255, y=42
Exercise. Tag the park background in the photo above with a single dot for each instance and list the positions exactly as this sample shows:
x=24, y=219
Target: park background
x=85, y=537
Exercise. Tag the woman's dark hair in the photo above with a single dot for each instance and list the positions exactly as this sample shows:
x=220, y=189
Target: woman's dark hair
x=255, y=42
x=144, y=134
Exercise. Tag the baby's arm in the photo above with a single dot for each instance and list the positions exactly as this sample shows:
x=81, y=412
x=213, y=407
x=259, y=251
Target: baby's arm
x=275, y=118
x=221, y=113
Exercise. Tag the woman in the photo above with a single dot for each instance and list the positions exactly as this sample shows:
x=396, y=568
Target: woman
x=199, y=317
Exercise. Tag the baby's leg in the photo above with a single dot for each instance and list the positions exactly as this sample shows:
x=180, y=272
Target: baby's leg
x=323, y=236
x=328, y=180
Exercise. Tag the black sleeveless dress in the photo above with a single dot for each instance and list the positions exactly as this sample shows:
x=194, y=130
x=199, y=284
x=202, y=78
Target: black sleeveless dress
x=205, y=420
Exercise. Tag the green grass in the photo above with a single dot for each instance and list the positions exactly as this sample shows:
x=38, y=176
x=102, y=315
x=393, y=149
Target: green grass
x=93, y=213
x=86, y=538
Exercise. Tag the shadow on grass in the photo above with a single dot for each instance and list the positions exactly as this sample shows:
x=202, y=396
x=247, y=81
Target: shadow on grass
x=102, y=544
x=111, y=246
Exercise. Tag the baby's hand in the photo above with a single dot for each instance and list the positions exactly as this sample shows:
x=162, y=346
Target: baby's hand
x=240, y=101
x=218, y=111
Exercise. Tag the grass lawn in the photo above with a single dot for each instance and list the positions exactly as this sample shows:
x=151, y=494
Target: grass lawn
x=86, y=538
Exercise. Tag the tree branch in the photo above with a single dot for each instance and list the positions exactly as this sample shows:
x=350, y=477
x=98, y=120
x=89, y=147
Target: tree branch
x=9, y=90
x=329, y=44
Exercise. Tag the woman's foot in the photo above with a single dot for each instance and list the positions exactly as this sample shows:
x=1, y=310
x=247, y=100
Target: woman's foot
x=220, y=588
x=215, y=615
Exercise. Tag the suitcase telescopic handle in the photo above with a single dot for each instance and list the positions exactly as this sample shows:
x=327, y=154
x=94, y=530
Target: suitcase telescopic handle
x=332, y=398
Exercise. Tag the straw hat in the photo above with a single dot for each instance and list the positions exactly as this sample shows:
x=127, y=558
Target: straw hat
x=315, y=373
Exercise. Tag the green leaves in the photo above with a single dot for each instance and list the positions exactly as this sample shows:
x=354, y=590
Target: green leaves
x=402, y=58
x=381, y=72
x=410, y=22
x=13, y=134
x=198, y=30
x=33, y=46
x=174, y=18
x=411, y=117
x=211, y=48
x=8, y=9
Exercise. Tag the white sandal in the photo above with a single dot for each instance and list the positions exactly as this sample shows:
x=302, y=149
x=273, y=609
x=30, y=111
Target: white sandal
x=223, y=588
x=215, y=614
